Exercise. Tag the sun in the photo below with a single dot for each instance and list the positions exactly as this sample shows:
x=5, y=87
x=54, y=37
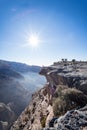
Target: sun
x=33, y=40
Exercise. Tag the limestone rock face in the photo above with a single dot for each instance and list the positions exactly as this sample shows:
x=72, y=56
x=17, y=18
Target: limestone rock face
x=70, y=74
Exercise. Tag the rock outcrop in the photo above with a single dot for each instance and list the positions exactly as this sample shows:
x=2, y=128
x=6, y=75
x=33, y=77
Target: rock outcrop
x=67, y=73
x=72, y=120
x=65, y=92
x=7, y=116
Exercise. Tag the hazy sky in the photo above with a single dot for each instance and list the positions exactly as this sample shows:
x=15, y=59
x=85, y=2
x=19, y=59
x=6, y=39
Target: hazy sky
x=61, y=27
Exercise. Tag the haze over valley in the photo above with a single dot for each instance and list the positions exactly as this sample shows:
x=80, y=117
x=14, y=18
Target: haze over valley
x=18, y=82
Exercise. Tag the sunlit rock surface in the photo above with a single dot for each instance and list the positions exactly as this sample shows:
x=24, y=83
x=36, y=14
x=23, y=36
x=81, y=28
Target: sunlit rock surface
x=73, y=74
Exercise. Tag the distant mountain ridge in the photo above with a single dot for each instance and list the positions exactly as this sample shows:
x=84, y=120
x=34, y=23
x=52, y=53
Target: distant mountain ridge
x=20, y=67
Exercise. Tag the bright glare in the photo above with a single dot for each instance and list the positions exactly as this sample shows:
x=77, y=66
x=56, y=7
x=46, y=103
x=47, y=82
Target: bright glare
x=33, y=40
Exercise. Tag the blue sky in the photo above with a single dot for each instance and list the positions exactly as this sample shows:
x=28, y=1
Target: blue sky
x=61, y=26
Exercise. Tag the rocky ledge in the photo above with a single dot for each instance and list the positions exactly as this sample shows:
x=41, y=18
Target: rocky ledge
x=72, y=120
x=61, y=104
x=72, y=74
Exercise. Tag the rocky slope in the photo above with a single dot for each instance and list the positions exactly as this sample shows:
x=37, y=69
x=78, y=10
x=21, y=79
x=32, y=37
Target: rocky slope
x=65, y=92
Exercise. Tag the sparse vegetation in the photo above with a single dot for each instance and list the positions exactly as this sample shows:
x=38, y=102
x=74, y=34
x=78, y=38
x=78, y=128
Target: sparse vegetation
x=64, y=60
x=73, y=60
x=67, y=99
x=75, y=96
x=59, y=89
x=58, y=107
x=43, y=121
x=33, y=110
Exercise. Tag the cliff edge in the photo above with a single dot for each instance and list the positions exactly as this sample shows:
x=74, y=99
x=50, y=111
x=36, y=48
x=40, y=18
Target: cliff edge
x=61, y=103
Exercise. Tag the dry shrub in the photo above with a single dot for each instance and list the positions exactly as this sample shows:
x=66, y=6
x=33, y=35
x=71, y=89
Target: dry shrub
x=67, y=99
x=59, y=107
x=43, y=121
x=59, y=89
x=75, y=96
